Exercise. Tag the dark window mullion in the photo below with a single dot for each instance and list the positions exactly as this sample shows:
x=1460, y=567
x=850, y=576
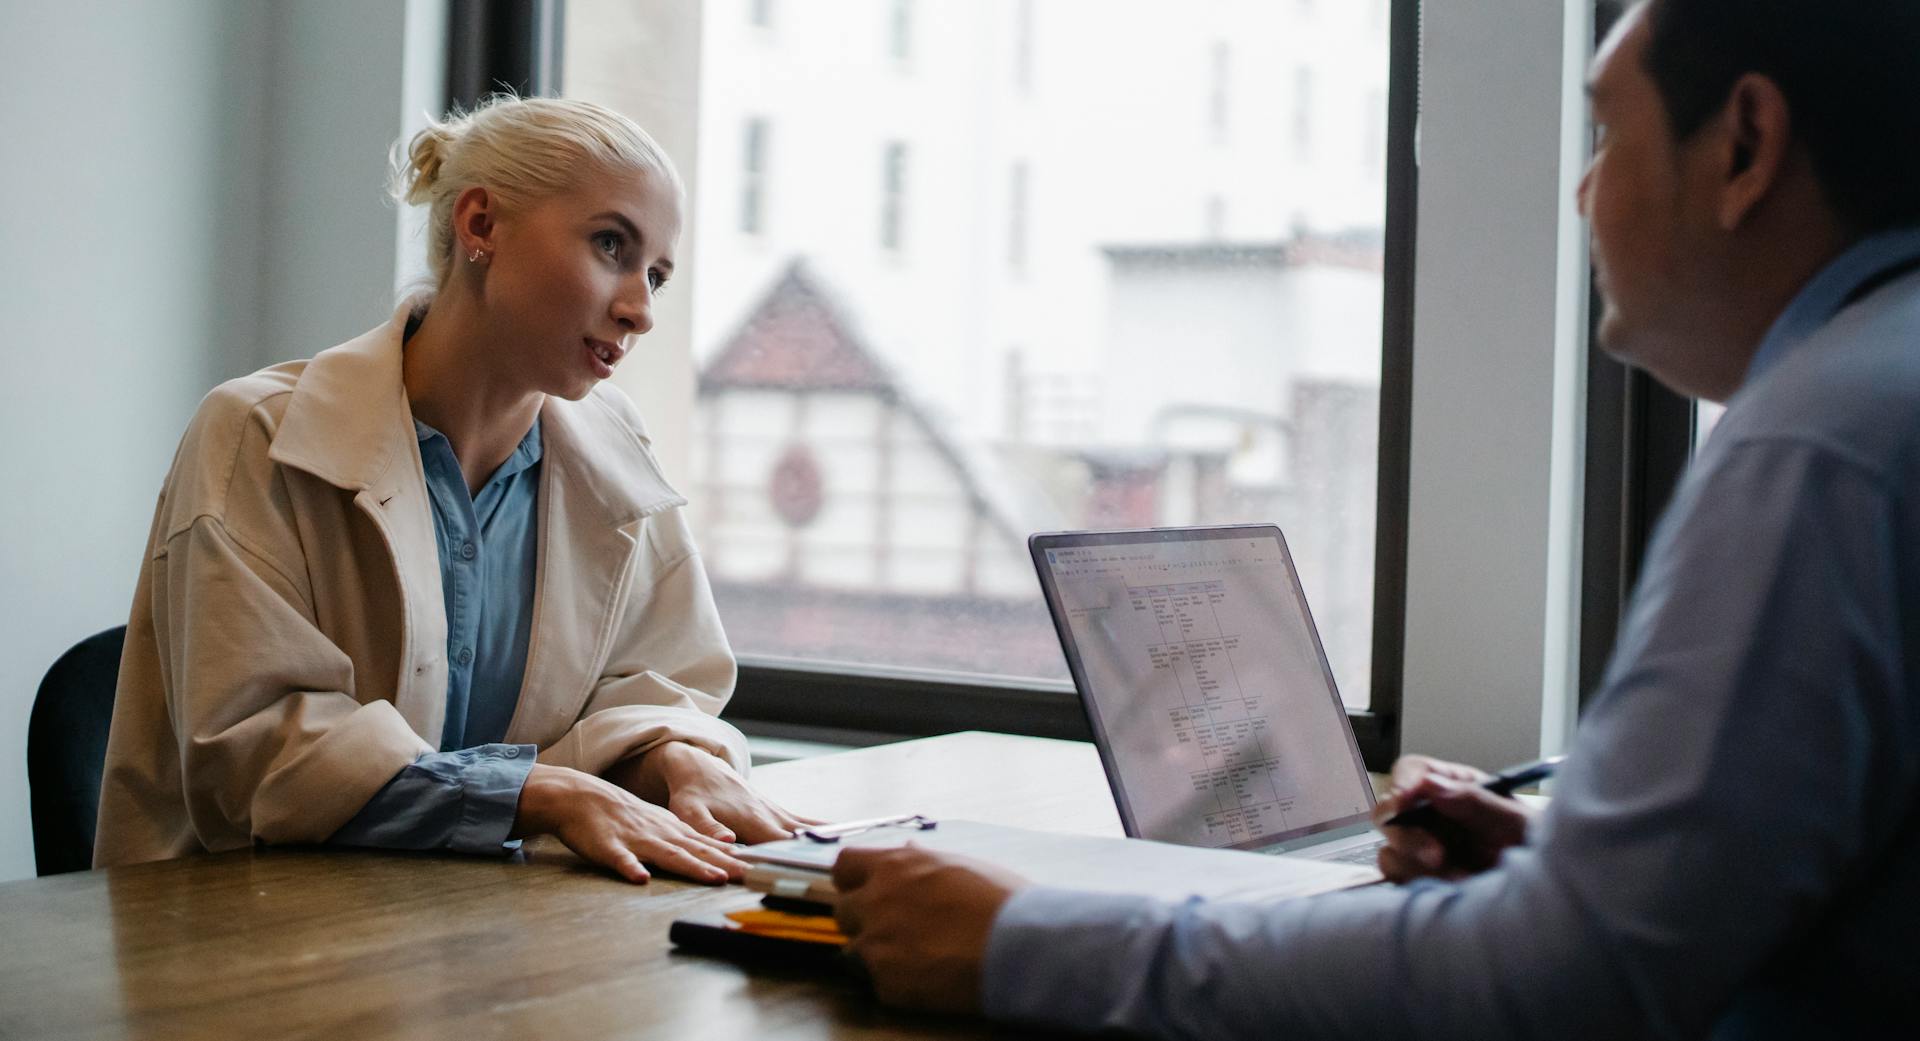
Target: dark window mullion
x=1640, y=436
x=503, y=45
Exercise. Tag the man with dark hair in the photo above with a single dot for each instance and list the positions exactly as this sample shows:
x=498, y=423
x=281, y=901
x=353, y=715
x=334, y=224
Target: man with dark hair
x=1734, y=848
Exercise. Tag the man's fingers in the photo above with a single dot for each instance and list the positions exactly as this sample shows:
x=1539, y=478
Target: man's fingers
x=846, y=913
x=853, y=867
x=1407, y=771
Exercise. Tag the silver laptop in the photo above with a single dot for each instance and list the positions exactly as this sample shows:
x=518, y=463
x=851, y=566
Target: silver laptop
x=1209, y=694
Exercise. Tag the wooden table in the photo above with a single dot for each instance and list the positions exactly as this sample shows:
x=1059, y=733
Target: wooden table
x=316, y=943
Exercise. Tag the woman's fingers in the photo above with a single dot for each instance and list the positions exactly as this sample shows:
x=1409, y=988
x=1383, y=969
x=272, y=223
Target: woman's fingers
x=697, y=817
x=628, y=865
x=686, y=853
x=684, y=861
x=764, y=823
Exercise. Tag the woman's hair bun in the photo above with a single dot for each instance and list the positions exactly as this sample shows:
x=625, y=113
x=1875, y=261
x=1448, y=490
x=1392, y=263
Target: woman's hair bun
x=416, y=171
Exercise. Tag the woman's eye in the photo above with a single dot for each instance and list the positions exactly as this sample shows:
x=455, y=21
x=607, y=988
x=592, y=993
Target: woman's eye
x=608, y=242
x=656, y=281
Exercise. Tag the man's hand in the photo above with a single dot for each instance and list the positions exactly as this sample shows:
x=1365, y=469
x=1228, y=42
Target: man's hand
x=702, y=790
x=612, y=828
x=1481, y=824
x=919, y=922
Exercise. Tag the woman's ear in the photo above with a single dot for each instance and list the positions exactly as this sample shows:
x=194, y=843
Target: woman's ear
x=473, y=221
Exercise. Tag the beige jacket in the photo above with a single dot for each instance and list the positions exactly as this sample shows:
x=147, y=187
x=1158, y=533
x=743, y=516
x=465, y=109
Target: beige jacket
x=287, y=650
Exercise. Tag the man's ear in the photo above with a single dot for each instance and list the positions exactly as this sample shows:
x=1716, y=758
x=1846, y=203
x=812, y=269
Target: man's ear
x=1758, y=129
x=473, y=220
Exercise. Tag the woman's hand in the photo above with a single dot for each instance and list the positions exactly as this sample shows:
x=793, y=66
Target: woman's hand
x=702, y=790
x=1480, y=824
x=612, y=828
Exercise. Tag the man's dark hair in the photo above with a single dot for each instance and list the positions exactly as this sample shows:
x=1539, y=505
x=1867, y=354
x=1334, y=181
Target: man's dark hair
x=1850, y=71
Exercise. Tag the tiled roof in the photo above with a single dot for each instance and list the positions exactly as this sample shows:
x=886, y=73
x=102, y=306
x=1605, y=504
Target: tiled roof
x=796, y=339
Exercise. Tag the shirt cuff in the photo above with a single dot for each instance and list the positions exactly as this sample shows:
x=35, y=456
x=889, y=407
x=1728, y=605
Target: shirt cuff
x=490, y=798
x=1070, y=959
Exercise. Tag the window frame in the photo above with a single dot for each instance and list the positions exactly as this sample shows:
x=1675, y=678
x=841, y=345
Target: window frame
x=518, y=43
x=503, y=45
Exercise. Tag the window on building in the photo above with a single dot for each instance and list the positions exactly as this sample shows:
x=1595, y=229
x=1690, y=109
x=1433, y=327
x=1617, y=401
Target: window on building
x=1023, y=45
x=1017, y=189
x=893, y=197
x=1303, y=113
x=900, y=30
x=1220, y=60
x=760, y=13
x=753, y=177
x=865, y=454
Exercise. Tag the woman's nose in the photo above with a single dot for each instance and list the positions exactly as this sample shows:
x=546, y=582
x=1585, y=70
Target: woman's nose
x=633, y=309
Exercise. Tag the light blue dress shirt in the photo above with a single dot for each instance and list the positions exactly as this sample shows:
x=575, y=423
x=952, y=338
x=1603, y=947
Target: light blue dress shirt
x=1734, y=846
x=466, y=796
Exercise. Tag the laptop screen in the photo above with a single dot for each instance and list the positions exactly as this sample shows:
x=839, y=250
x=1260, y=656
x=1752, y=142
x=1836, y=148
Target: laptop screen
x=1209, y=695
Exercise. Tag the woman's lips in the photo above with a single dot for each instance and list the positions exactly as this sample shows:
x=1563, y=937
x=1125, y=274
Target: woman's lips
x=602, y=356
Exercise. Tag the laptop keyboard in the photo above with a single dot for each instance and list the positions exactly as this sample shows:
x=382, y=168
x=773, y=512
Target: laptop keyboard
x=1365, y=855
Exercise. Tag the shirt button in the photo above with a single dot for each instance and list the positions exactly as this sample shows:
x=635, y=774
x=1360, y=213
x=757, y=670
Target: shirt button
x=467, y=551
x=466, y=656
x=512, y=752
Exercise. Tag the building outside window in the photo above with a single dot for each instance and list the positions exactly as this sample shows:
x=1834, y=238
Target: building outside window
x=865, y=455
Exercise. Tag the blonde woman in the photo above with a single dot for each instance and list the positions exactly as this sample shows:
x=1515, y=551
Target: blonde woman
x=429, y=589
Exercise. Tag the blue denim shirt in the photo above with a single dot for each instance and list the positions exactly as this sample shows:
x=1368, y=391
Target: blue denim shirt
x=465, y=796
x=1732, y=848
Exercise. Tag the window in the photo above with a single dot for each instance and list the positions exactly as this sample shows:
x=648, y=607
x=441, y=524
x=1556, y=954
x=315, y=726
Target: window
x=753, y=177
x=900, y=31
x=893, y=197
x=1217, y=95
x=760, y=13
x=1017, y=219
x=871, y=441
x=1303, y=103
x=1023, y=45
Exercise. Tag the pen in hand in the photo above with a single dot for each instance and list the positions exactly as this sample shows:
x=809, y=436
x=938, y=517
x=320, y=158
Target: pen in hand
x=1504, y=783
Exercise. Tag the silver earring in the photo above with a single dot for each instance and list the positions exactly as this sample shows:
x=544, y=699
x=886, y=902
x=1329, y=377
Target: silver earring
x=476, y=256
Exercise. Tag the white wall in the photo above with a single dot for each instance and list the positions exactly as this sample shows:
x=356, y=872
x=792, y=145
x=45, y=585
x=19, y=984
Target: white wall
x=191, y=190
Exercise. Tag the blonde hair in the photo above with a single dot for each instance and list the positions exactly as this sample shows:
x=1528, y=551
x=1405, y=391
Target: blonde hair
x=519, y=149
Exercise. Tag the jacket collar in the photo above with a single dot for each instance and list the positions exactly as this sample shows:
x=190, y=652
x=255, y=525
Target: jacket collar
x=349, y=424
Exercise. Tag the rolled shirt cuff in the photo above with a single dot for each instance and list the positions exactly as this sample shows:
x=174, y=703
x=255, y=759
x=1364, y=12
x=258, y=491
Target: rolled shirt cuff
x=490, y=798
x=465, y=801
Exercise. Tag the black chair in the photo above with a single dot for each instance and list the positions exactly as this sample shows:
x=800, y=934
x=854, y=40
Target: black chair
x=67, y=749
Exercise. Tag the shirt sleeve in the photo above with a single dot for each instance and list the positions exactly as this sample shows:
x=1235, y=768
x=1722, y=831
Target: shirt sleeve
x=1755, y=706
x=463, y=801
